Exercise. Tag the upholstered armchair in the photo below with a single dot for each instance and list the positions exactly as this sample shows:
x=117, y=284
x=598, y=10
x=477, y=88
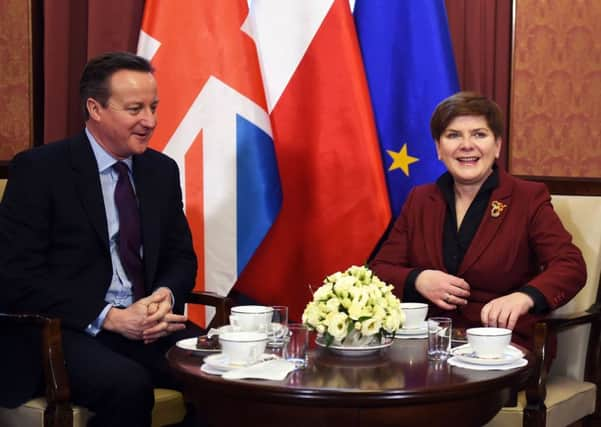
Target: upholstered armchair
x=2, y=186
x=54, y=409
x=570, y=391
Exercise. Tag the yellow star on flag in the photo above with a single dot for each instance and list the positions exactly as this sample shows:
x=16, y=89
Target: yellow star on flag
x=401, y=160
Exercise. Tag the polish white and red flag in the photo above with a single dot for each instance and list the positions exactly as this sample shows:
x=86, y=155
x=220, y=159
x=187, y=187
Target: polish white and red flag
x=335, y=202
x=213, y=122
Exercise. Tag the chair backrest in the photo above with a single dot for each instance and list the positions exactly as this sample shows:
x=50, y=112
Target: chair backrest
x=581, y=216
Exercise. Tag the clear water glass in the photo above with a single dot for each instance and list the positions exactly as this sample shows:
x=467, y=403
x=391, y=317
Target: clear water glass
x=278, y=327
x=296, y=345
x=439, y=338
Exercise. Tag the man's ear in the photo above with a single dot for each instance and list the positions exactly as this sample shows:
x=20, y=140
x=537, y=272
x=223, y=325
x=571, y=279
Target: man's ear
x=93, y=107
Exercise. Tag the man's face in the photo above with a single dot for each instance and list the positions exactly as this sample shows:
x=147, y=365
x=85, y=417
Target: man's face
x=125, y=125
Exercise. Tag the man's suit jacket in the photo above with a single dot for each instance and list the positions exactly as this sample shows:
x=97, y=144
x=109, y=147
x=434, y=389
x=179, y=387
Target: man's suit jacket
x=54, y=248
x=525, y=244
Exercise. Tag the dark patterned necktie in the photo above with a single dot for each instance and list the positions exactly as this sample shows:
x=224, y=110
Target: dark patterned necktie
x=129, y=230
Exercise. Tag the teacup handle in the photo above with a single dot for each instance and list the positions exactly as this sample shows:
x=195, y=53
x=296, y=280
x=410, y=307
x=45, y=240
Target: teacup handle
x=254, y=354
x=235, y=323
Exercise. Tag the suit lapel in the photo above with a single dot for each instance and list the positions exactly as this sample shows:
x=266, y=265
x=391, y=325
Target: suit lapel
x=491, y=222
x=87, y=183
x=146, y=190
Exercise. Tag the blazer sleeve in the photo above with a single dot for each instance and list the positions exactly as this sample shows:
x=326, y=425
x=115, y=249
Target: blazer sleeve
x=563, y=271
x=27, y=261
x=391, y=264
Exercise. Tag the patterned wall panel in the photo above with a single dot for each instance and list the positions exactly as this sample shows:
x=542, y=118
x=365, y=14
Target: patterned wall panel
x=556, y=89
x=15, y=78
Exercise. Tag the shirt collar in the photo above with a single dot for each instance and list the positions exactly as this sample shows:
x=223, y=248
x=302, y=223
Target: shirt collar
x=103, y=158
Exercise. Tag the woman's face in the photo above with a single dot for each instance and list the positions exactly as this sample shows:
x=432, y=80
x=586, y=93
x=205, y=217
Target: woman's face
x=468, y=148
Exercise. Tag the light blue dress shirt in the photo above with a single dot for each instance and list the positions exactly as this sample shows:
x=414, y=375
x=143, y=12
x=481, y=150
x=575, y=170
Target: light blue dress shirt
x=119, y=293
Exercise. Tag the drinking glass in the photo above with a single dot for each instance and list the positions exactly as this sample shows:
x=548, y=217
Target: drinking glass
x=296, y=344
x=439, y=338
x=278, y=327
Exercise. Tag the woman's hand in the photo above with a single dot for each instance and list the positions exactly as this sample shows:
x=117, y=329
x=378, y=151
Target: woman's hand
x=444, y=290
x=504, y=312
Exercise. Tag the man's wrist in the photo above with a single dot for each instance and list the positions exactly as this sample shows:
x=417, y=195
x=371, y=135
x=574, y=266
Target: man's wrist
x=96, y=326
x=110, y=320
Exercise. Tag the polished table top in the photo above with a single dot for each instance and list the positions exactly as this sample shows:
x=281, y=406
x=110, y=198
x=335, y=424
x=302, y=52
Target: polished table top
x=400, y=376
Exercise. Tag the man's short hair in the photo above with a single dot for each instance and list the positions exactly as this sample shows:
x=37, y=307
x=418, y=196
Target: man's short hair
x=94, y=82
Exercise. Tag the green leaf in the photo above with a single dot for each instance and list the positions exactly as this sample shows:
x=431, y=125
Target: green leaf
x=329, y=339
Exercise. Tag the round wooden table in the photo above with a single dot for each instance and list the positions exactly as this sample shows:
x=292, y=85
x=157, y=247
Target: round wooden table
x=396, y=387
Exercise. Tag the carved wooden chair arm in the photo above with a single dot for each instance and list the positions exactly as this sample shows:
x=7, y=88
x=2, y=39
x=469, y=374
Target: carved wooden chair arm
x=222, y=305
x=58, y=410
x=536, y=386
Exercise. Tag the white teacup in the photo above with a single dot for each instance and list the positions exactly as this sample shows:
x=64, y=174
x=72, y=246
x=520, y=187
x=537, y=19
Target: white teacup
x=489, y=343
x=242, y=348
x=251, y=318
x=415, y=314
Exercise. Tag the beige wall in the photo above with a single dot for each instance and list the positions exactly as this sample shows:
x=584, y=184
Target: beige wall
x=556, y=104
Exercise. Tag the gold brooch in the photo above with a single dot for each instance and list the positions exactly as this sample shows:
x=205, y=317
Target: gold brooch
x=497, y=208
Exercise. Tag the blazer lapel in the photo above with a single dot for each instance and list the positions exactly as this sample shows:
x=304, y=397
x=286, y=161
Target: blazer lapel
x=491, y=222
x=146, y=190
x=87, y=183
x=433, y=242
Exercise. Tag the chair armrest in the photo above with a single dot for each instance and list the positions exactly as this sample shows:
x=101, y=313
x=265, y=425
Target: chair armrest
x=58, y=410
x=537, y=382
x=559, y=322
x=222, y=305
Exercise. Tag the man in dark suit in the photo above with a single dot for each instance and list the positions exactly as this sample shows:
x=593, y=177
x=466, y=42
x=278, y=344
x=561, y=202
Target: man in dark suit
x=92, y=231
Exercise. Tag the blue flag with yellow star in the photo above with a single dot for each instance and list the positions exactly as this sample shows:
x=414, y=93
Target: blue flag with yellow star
x=410, y=68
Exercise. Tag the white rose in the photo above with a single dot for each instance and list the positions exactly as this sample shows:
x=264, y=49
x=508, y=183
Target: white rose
x=333, y=304
x=323, y=308
x=371, y=327
x=333, y=277
x=360, y=272
x=379, y=312
x=343, y=285
x=355, y=311
x=311, y=315
x=323, y=293
x=392, y=300
x=375, y=293
x=392, y=322
x=376, y=281
x=338, y=325
x=361, y=297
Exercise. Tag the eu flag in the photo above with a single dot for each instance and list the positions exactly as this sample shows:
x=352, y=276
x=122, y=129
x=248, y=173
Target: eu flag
x=410, y=68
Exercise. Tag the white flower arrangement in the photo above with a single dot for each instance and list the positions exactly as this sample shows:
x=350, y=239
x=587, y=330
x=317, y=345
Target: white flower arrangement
x=354, y=308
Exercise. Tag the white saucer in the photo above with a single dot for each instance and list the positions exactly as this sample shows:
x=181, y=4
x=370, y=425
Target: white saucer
x=190, y=344
x=464, y=353
x=209, y=370
x=220, y=362
x=419, y=330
